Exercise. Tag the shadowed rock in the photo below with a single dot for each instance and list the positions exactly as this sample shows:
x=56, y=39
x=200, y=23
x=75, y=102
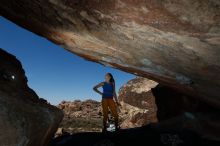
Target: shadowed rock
x=147, y=135
x=25, y=119
x=180, y=112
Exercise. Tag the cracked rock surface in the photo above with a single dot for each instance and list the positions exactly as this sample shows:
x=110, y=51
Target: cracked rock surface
x=174, y=42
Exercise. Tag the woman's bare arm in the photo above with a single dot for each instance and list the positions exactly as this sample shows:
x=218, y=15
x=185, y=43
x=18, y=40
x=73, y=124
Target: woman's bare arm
x=95, y=88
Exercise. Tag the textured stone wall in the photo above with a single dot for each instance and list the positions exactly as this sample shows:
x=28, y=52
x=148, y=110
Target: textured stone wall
x=175, y=42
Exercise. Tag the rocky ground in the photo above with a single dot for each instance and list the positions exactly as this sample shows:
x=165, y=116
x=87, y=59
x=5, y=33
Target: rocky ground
x=81, y=116
x=28, y=120
x=174, y=42
x=138, y=109
x=184, y=121
x=142, y=136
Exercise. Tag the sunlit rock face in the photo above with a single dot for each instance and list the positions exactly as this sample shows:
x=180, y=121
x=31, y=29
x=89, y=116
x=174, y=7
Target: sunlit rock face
x=146, y=102
x=175, y=42
x=138, y=103
x=25, y=119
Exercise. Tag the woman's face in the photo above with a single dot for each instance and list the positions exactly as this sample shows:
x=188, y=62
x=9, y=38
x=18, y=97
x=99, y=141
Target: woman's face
x=107, y=78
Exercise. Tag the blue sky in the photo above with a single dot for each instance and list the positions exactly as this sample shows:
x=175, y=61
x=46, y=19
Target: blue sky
x=54, y=73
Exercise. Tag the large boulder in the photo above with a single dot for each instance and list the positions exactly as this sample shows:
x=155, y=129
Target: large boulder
x=175, y=42
x=26, y=120
x=145, y=101
x=138, y=103
x=177, y=111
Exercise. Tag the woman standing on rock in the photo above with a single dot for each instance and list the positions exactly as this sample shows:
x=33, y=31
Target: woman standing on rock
x=107, y=100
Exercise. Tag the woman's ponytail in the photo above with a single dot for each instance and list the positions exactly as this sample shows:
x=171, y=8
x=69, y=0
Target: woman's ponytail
x=112, y=80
